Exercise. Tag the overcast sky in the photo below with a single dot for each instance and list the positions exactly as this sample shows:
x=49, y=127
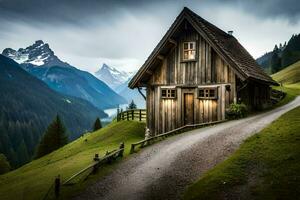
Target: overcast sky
x=123, y=33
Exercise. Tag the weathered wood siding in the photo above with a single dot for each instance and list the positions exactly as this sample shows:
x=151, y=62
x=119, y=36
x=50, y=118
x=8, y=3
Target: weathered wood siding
x=256, y=96
x=209, y=69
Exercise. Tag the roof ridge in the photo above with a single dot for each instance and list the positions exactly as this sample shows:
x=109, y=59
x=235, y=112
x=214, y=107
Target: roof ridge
x=234, y=53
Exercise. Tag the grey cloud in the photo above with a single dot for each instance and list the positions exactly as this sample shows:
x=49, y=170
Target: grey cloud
x=289, y=9
x=77, y=11
x=124, y=31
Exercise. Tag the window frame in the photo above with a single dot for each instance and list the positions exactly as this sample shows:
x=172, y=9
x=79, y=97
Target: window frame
x=207, y=93
x=183, y=50
x=168, y=93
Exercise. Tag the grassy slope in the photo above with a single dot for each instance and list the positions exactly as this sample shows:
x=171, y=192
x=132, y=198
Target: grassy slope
x=33, y=180
x=291, y=90
x=290, y=79
x=289, y=75
x=266, y=166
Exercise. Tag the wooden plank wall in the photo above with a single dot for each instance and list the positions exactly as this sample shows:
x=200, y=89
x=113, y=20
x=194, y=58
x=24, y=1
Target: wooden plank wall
x=208, y=69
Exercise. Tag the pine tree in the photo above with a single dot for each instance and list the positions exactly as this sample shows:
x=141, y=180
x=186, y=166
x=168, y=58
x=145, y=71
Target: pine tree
x=275, y=61
x=22, y=153
x=291, y=52
x=4, y=164
x=54, y=138
x=132, y=105
x=97, y=124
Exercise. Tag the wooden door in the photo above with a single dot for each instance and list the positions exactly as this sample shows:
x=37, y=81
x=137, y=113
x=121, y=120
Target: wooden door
x=188, y=108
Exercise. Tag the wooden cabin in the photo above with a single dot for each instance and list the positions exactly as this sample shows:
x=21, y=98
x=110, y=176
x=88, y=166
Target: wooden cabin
x=195, y=72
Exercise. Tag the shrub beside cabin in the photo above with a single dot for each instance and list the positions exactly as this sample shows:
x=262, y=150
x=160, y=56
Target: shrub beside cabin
x=195, y=72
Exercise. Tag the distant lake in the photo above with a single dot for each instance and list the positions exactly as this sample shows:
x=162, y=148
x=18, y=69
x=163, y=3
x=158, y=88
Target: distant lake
x=112, y=112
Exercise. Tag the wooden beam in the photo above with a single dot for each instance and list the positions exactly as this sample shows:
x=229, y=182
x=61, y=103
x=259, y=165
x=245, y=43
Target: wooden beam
x=160, y=57
x=149, y=72
x=172, y=42
x=139, y=89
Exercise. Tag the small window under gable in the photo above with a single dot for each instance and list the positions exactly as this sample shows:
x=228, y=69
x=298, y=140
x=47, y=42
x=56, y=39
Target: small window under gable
x=189, y=51
x=208, y=93
x=168, y=93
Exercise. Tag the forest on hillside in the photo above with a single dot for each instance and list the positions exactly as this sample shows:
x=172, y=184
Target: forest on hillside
x=28, y=105
x=282, y=55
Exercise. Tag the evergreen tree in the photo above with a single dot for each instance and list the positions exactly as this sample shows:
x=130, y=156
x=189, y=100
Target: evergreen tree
x=132, y=105
x=275, y=61
x=54, y=138
x=22, y=153
x=291, y=52
x=4, y=164
x=97, y=124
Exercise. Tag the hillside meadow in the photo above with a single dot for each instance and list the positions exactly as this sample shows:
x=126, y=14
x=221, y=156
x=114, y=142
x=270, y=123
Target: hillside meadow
x=33, y=180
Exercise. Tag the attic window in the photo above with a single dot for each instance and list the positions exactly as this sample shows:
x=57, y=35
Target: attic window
x=189, y=51
x=208, y=93
x=167, y=93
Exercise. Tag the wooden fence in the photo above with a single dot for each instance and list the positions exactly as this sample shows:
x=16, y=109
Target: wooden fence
x=85, y=172
x=169, y=133
x=132, y=114
x=108, y=158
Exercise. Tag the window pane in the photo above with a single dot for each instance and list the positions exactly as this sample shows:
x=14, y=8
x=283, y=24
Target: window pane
x=206, y=93
x=185, y=45
x=201, y=93
x=163, y=93
x=192, y=55
x=185, y=55
x=191, y=45
x=212, y=93
x=172, y=93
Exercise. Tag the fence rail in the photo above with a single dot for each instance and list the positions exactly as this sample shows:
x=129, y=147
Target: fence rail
x=110, y=156
x=172, y=132
x=85, y=172
x=132, y=114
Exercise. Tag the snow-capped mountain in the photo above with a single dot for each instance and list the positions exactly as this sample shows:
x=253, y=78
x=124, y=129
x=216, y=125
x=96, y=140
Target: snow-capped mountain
x=40, y=61
x=111, y=76
x=38, y=54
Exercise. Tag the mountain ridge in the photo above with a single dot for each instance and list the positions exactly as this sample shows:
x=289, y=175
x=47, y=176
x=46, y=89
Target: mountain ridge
x=111, y=76
x=63, y=77
x=27, y=109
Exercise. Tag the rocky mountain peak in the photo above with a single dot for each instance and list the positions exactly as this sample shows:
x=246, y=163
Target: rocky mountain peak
x=111, y=76
x=37, y=54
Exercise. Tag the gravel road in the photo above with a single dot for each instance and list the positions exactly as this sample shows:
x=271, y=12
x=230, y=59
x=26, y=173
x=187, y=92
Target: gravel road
x=165, y=169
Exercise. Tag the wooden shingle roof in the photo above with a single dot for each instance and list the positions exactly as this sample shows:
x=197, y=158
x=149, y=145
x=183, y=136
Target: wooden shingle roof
x=225, y=44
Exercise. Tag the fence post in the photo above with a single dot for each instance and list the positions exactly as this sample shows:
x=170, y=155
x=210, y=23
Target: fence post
x=122, y=115
x=132, y=149
x=118, y=112
x=132, y=114
x=140, y=115
x=96, y=158
x=122, y=146
x=57, y=186
x=127, y=115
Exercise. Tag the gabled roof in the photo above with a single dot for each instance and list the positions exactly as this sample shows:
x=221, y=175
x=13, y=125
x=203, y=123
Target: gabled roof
x=224, y=44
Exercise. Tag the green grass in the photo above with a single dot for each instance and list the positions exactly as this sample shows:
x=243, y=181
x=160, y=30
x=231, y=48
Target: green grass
x=266, y=166
x=290, y=80
x=289, y=75
x=34, y=179
x=291, y=90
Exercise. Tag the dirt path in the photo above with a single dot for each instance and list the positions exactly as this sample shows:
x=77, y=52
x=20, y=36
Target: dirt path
x=163, y=170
